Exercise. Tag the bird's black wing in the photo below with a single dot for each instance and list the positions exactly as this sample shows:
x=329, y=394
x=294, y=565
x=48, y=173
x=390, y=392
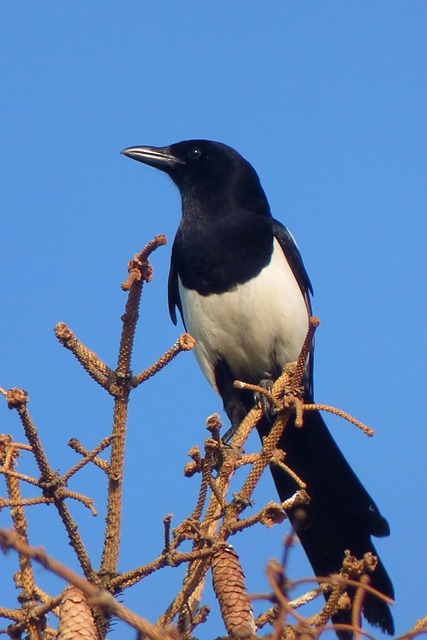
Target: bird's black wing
x=173, y=290
x=293, y=256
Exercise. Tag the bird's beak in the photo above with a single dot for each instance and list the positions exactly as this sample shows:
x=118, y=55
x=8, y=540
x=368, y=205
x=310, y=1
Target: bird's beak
x=158, y=157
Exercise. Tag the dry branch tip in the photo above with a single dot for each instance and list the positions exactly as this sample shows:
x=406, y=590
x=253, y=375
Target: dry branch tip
x=16, y=398
x=63, y=332
x=139, y=268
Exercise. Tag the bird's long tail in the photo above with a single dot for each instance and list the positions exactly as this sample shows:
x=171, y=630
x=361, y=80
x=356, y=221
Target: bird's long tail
x=341, y=514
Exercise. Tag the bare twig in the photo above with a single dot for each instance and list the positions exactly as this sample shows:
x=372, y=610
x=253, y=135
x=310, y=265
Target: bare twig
x=19, y=476
x=10, y=614
x=139, y=267
x=343, y=414
x=336, y=579
x=167, y=520
x=89, y=457
x=79, y=448
x=420, y=627
x=356, y=611
x=184, y=343
x=94, y=366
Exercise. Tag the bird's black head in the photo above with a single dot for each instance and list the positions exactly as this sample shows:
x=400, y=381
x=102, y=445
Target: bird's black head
x=210, y=172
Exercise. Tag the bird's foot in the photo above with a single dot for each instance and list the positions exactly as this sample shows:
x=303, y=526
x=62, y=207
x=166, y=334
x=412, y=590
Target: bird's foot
x=262, y=399
x=229, y=434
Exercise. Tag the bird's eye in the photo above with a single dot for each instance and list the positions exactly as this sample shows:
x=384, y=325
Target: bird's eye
x=193, y=153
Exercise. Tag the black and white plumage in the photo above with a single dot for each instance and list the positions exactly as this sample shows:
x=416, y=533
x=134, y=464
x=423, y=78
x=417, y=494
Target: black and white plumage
x=238, y=280
x=211, y=320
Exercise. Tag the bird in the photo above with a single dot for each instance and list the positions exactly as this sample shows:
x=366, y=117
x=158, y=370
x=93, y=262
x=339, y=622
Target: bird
x=239, y=283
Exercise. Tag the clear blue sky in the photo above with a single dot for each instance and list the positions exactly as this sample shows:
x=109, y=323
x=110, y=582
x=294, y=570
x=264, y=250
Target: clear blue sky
x=328, y=101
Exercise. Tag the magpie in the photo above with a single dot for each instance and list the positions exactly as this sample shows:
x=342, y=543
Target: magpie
x=241, y=288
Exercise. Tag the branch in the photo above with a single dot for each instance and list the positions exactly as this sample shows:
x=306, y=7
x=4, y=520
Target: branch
x=89, y=457
x=184, y=343
x=139, y=271
x=76, y=446
x=342, y=414
x=90, y=362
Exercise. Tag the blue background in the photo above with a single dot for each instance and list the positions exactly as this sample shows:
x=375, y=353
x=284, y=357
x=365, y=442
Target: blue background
x=328, y=101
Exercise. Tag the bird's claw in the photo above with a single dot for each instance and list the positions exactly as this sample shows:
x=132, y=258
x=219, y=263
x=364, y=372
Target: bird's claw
x=262, y=399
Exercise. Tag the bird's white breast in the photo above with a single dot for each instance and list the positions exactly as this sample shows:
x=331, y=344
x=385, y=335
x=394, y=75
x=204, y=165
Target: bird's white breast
x=254, y=327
